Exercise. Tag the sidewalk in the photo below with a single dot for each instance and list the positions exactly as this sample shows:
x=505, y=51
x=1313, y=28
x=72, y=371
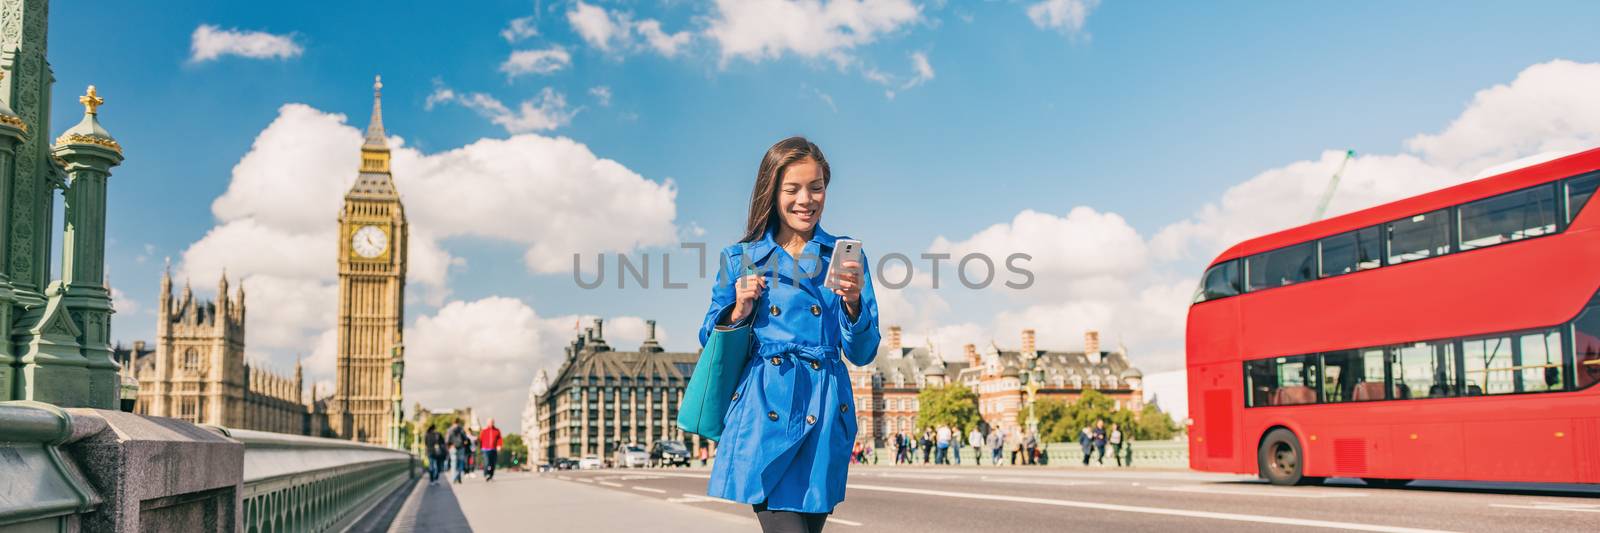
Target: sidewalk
x=525, y=502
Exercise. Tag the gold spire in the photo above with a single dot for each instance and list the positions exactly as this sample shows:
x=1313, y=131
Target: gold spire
x=375, y=151
x=91, y=101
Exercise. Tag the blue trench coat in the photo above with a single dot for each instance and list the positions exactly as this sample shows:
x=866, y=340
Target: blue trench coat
x=792, y=421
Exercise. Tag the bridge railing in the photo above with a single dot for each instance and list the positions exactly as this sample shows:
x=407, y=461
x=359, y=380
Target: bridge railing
x=295, y=483
x=1156, y=454
x=71, y=470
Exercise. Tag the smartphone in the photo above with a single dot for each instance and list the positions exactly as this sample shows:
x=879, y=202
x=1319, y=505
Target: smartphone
x=843, y=250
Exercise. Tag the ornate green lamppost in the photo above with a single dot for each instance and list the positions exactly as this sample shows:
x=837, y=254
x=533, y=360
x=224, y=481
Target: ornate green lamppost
x=1034, y=376
x=397, y=372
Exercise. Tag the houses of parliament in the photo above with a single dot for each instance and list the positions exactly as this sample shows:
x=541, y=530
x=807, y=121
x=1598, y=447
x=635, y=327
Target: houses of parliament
x=196, y=371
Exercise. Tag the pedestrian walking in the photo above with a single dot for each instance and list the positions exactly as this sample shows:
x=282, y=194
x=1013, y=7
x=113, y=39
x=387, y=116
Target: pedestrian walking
x=855, y=453
x=900, y=447
x=955, y=443
x=456, y=437
x=703, y=454
x=489, y=441
x=788, y=445
x=941, y=436
x=927, y=444
x=1100, y=441
x=1086, y=443
x=975, y=439
x=997, y=443
x=1116, y=443
x=433, y=445
x=1031, y=445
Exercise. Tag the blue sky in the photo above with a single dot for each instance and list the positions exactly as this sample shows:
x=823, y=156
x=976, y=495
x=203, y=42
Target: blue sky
x=1155, y=121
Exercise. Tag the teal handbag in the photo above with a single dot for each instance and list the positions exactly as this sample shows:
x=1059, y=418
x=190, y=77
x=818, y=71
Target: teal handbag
x=716, y=375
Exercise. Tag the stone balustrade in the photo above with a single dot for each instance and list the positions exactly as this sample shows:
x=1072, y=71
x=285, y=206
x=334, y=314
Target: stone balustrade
x=69, y=470
x=1152, y=454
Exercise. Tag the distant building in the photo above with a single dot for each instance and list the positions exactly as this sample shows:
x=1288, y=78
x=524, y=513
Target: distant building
x=601, y=399
x=420, y=416
x=886, y=390
x=197, y=371
x=531, y=435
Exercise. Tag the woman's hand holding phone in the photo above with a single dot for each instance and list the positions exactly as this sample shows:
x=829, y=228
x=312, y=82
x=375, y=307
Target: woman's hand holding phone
x=849, y=286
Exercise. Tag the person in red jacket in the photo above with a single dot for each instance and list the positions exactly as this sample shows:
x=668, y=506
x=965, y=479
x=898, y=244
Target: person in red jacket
x=489, y=442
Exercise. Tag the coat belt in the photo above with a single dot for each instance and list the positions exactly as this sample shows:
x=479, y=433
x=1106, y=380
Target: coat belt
x=821, y=354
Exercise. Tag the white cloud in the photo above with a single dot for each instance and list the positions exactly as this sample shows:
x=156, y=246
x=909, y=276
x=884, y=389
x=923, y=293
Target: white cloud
x=520, y=28
x=1066, y=16
x=281, y=203
x=484, y=353
x=209, y=42
x=122, y=303
x=921, y=72
x=1084, y=244
x=616, y=31
x=756, y=30
x=544, y=61
x=666, y=44
x=601, y=94
x=544, y=112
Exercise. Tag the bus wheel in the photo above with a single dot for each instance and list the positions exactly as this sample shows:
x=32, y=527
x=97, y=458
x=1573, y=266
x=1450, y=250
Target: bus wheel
x=1280, y=459
x=1385, y=482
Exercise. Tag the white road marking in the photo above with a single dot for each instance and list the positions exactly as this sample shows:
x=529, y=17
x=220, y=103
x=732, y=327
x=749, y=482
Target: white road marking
x=586, y=480
x=610, y=484
x=1276, y=493
x=632, y=478
x=703, y=497
x=918, y=476
x=842, y=521
x=1037, y=481
x=1277, y=520
x=1552, y=506
x=696, y=476
x=648, y=489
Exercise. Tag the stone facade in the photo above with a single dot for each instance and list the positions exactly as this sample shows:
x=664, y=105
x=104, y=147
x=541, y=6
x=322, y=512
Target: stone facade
x=886, y=390
x=198, y=373
x=372, y=292
x=531, y=435
x=601, y=399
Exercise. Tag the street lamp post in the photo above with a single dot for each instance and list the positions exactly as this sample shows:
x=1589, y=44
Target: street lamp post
x=397, y=370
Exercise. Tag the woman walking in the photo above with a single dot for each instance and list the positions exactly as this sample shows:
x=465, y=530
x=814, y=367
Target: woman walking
x=791, y=423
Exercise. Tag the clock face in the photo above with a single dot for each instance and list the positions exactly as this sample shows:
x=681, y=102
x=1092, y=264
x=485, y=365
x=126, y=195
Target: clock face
x=369, y=242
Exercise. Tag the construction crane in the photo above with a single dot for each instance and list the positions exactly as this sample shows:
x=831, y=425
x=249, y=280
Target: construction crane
x=1333, y=184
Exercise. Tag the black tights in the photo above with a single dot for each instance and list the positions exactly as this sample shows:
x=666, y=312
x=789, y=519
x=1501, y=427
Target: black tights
x=788, y=521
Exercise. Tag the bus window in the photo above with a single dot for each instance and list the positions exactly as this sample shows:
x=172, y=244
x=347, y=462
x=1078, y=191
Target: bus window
x=1284, y=266
x=1541, y=361
x=1424, y=370
x=1282, y=380
x=1489, y=367
x=1586, y=341
x=1353, y=375
x=1220, y=281
x=1578, y=192
x=1419, y=237
x=1508, y=217
x=1348, y=252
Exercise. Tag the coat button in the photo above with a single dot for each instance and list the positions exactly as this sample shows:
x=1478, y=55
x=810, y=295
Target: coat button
x=776, y=360
x=842, y=407
x=811, y=419
x=775, y=310
x=816, y=366
x=772, y=415
x=735, y=397
x=816, y=310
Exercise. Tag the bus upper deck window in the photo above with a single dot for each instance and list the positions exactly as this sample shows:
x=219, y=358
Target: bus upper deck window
x=1220, y=281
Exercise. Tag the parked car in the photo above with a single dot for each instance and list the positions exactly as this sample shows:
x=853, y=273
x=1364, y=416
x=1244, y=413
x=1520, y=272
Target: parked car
x=589, y=462
x=669, y=452
x=632, y=456
x=564, y=463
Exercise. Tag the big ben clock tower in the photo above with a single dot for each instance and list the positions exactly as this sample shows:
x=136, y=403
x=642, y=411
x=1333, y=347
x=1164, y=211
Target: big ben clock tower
x=372, y=287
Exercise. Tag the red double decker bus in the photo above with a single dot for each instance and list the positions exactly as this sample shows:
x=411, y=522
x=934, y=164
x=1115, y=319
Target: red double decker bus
x=1453, y=335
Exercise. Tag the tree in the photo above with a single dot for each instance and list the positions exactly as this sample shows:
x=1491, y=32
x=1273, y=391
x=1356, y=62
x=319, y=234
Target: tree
x=1155, y=424
x=952, y=404
x=513, y=451
x=1061, y=421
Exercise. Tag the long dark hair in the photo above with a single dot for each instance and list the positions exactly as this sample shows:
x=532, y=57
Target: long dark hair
x=764, y=197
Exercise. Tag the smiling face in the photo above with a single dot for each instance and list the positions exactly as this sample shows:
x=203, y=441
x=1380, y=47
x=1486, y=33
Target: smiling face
x=802, y=190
